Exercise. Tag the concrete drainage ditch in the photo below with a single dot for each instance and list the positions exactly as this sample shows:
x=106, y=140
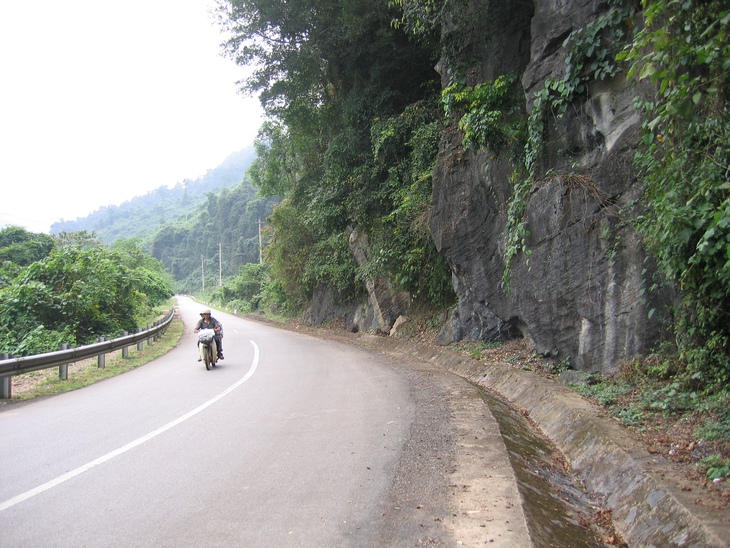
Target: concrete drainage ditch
x=559, y=511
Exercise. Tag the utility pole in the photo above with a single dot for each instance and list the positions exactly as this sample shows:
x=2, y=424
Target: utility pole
x=220, y=265
x=202, y=270
x=260, y=244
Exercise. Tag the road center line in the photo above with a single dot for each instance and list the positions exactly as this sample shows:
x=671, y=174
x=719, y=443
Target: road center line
x=139, y=441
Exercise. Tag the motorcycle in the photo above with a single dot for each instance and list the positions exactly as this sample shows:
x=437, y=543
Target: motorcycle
x=208, y=348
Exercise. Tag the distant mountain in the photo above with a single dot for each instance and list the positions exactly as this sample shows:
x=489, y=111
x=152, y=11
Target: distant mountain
x=142, y=216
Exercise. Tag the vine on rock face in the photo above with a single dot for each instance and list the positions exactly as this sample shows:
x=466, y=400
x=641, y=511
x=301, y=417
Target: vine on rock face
x=491, y=118
x=591, y=54
x=491, y=115
x=684, y=161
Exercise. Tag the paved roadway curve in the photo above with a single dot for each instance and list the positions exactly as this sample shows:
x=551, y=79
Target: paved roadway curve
x=291, y=441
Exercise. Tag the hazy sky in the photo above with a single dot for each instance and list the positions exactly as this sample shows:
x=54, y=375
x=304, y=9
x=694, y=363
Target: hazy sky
x=102, y=101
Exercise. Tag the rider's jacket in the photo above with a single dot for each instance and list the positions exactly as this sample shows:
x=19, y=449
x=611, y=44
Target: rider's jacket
x=212, y=324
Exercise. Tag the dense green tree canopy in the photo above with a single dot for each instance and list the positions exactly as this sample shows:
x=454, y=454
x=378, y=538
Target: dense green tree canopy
x=214, y=242
x=352, y=139
x=354, y=124
x=21, y=247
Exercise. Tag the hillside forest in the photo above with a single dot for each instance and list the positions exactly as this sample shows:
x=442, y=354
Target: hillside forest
x=142, y=216
x=481, y=176
x=202, y=230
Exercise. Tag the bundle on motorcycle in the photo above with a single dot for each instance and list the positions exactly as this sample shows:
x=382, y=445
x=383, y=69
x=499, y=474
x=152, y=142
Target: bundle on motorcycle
x=207, y=347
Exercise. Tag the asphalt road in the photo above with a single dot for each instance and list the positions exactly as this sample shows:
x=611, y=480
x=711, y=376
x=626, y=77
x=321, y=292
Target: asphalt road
x=290, y=441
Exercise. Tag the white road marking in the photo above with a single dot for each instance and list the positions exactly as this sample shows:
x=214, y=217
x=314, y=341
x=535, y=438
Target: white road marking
x=139, y=441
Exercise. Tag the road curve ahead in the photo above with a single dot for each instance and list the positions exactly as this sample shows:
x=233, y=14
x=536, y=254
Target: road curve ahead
x=290, y=441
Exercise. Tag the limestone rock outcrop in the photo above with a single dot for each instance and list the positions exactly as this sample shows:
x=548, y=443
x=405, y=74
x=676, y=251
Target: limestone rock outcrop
x=386, y=303
x=583, y=294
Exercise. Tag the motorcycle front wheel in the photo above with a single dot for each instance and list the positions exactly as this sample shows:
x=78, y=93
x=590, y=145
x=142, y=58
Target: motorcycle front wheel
x=206, y=354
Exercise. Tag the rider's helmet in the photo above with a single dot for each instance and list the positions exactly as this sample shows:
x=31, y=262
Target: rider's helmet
x=206, y=311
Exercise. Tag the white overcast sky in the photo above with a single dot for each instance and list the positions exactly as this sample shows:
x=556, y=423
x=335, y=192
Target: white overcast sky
x=102, y=101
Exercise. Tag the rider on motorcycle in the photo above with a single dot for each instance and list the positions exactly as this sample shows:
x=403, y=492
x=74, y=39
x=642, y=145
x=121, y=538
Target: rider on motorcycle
x=207, y=321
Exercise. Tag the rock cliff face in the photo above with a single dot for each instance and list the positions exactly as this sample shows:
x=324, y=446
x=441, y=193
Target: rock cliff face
x=383, y=310
x=584, y=293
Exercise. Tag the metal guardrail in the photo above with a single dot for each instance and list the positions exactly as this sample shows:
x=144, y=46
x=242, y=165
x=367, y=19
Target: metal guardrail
x=10, y=367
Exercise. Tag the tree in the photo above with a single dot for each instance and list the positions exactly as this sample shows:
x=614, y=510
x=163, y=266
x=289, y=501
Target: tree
x=227, y=222
x=332, y=76
x=21, y=247
x=151, y=278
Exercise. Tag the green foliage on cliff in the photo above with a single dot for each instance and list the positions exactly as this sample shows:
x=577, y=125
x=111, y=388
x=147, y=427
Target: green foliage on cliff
x=491, y=116
x=76, y=293
x=591, y=56
x=351, y=142
x=354, y=128
x=684, y=50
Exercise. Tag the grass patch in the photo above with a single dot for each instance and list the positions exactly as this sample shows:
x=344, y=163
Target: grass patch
x=605, y=393
x=666, y=408
x=476, y=348
x=91, y=373
x=715, y=467
x=157, y=313
x=715, y=430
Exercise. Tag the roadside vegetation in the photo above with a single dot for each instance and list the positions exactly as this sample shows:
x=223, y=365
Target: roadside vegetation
x=684, y=424
x=354, y=121
x=47, y=382
x=73, y=289
x=355, y=112
x=214, y=240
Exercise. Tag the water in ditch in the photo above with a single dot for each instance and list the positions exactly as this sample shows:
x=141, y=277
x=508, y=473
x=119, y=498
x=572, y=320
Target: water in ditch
x=558, y=510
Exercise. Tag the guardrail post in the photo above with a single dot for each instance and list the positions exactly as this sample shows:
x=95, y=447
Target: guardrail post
x=125, y=350
x=6, y=387
x=140, y=344
x=102, y=357
x=149, y=340
x=63, y=369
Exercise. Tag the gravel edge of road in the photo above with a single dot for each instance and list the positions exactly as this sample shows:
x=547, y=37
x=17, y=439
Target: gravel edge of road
x=482, y=504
